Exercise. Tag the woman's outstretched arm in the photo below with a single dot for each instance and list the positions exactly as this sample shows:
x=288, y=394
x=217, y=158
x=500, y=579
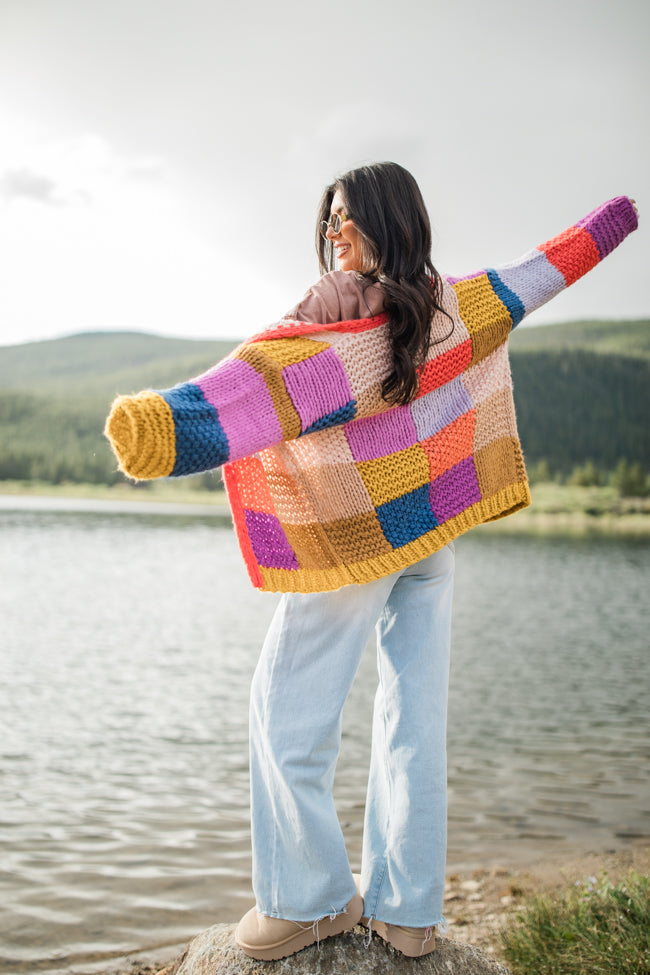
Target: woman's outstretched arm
x=275, y=387
x=493, y=301
x=291, y=380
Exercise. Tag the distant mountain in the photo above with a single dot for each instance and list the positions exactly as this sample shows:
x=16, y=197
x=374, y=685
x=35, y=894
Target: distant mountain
x=55, y=395
x=623, y=338
x=582, y=392
x=106, y=362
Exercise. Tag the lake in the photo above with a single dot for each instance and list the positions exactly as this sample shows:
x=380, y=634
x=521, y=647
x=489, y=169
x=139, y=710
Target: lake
x=129, y=634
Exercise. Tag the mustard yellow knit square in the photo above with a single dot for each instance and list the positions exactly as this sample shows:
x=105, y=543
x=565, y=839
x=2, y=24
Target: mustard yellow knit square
x=487, y=319
x=286, y=352
x=271, y=370
x=387, y=478
x=499, y=465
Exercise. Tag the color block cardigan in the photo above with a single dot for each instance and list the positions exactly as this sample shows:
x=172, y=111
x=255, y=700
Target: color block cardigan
x=328, y=485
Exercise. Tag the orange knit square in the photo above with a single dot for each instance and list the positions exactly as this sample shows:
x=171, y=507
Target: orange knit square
x=572, y=252
x=451, y=445
x=447, y=366
x=252, y=487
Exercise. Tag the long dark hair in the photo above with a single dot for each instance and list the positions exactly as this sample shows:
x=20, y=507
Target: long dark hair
x=387, y=208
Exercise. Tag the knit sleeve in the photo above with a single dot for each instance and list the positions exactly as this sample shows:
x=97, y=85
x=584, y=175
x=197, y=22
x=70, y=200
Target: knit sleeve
x=267, y=391
x=501, y=297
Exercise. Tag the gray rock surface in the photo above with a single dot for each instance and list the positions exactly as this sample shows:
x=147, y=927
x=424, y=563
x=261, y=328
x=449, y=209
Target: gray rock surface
x=214, y=952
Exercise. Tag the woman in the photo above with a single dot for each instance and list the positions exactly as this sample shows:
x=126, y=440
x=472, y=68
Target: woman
x=360, y=436
x=375, y=222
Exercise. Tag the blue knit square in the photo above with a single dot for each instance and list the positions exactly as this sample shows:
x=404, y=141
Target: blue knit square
x=201, y=444
x=339, y=416
x=511, y=300
x=407, y=517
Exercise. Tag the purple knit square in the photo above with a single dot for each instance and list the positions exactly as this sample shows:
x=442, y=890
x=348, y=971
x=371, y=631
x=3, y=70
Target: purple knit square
x=437, y=409
x=380, y=435
x=270, y=545
x=454, y=490
x=317, y=386
x=609, y=224
x=244, y=406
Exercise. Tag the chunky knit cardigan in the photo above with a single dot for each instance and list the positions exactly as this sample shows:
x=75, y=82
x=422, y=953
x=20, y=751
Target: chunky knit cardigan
x=328, y=485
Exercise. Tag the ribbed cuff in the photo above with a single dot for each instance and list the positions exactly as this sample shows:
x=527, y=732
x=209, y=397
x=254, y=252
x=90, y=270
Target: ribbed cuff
x=140, y=430
x=610, y=224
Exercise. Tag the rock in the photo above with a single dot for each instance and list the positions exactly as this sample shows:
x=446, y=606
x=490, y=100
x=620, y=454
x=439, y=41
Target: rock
x=214, y=952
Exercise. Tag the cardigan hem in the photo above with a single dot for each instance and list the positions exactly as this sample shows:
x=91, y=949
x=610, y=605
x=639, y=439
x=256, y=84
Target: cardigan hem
x=505, y=502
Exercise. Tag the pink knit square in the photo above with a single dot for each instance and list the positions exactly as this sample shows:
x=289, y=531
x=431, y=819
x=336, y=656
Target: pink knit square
x=377, y=436
x=317, y=386
x=244, y=406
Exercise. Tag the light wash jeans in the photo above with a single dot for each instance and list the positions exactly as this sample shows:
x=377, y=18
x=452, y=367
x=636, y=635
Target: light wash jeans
x=308, y=663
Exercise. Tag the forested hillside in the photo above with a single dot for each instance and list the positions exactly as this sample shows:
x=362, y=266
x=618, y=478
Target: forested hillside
x=55, y=395
x=582, y=392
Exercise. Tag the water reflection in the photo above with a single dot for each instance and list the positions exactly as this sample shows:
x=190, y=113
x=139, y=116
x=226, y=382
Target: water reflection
x=128, y=643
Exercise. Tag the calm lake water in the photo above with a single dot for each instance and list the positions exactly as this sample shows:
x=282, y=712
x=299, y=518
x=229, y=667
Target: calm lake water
x=128, y=638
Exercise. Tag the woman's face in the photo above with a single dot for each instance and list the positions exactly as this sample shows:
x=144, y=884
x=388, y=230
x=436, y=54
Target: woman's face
x=347, y=243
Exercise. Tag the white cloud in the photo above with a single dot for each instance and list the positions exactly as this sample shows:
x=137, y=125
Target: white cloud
x=193, y=172
x=65, y=170
x=25, y=182
x=116, y=252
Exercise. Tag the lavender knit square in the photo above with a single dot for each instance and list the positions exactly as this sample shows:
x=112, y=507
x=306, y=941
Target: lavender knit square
x=533, y=279
x=454, y=490
x=437, y=409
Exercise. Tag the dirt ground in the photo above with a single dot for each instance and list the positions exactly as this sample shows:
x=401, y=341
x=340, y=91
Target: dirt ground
x=480, y=903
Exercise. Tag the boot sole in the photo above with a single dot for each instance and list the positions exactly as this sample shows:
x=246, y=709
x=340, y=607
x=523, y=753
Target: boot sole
x=409, y=945
x=403, y=942
x=304, y=939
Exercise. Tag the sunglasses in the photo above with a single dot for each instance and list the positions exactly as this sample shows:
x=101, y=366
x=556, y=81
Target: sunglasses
x=333, y=224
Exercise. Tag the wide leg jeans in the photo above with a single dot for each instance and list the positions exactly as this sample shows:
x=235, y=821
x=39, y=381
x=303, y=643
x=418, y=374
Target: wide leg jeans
x=308, y=663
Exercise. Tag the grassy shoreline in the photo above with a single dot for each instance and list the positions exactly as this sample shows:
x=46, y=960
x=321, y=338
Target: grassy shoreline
x=573, y=509
x=562, y=508
x=171, y=492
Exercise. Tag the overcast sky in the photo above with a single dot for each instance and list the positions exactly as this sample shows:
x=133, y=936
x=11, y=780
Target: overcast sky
x=161, y=160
